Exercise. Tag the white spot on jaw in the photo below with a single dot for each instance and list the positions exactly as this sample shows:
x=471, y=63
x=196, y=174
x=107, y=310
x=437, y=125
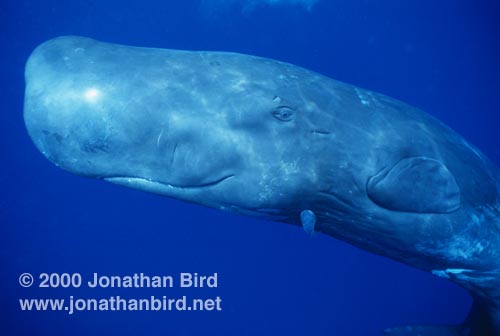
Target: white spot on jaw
x=441, y=273
x=452, y=272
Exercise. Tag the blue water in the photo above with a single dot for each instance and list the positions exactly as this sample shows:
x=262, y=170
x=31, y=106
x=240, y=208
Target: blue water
x=442, y=56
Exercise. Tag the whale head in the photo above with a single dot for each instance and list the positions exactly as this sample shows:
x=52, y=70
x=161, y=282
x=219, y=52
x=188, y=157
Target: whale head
x=225, y=130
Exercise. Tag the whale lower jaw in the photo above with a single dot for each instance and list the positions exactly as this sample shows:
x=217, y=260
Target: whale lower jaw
x=182, y=192
x=162, y=188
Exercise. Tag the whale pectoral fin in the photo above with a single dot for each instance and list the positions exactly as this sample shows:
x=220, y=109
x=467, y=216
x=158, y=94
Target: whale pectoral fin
x=415, y=184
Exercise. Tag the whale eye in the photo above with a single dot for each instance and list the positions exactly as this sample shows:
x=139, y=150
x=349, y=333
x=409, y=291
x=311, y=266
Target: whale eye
x=283, y=113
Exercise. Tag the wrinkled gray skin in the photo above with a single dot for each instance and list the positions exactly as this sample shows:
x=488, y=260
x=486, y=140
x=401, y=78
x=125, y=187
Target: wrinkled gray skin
x=269, y=139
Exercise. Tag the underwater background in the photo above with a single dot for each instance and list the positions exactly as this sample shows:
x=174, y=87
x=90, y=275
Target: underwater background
x=441, y=56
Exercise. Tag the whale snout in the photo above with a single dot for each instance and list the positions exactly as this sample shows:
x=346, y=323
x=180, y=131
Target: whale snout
x=65, y=106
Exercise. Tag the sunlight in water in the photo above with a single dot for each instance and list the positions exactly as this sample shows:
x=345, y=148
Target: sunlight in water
x=92, y=95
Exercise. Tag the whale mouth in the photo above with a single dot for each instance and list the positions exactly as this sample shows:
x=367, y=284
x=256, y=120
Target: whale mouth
x=141, y=181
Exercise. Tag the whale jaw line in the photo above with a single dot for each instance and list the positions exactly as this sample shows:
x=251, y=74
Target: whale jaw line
x=150, y=183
